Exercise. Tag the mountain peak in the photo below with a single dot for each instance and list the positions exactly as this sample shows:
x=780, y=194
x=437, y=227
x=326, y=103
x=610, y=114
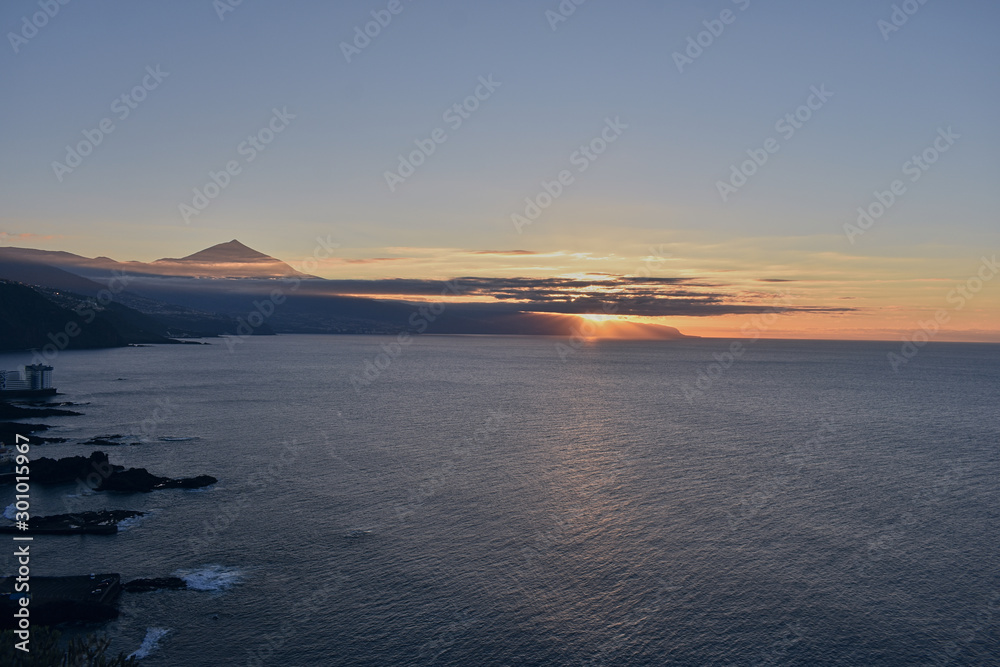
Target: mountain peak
x=231, y=259
x=231, y=251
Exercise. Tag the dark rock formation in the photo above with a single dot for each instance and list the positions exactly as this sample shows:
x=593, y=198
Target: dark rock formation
x=108, y=441
x=86, y=599
x=102, y=522
x=139, y=480
x=9, y=411
x=98, y=472
x=156, y=583
x=10, y=430
x=71, y=468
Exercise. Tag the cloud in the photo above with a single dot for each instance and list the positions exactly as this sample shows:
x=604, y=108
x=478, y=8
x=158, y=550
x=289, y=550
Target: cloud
x=505, y=252
x=371, y=260
x=627, y=295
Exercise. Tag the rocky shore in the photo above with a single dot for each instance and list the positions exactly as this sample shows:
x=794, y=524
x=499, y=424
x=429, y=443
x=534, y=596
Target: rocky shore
x=139, y=480
x=92, y=598
x=102, y=475
x=101, y=522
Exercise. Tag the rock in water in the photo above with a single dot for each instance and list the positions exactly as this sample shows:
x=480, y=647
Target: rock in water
x=70, y=469
x=197, y=482
x=131, y=481
x=139, y=480
x=156, y=583
x=101, y=522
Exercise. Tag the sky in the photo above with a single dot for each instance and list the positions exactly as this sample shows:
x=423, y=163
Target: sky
x=727, y=143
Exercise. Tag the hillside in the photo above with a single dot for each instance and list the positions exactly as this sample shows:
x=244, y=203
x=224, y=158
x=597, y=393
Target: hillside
x=208, y=292
x=29, y=320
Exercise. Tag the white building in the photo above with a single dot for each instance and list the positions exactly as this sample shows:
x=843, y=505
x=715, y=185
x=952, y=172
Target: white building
x=35, y=376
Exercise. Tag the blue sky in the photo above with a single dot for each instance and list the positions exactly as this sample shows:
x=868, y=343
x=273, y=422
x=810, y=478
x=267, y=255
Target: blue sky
x=324, y=174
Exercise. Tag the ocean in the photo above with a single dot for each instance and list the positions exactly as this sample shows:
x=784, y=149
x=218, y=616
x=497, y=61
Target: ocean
x=503, y=501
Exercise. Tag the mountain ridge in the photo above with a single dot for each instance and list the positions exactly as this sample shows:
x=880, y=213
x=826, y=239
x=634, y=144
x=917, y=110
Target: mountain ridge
x=232, y=259
x=205, y=292
x=230, y=251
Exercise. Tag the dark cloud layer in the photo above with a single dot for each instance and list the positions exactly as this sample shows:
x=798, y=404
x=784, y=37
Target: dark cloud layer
x=623, y=295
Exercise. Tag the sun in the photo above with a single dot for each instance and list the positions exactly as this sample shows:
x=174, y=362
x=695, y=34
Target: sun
x=598, y=317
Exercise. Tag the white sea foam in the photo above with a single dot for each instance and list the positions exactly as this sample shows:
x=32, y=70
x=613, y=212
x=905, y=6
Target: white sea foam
x=150, y=642
x=177, y=438
x=203, y=489
x=131, y=522
x=211, y=577
x=357, y=533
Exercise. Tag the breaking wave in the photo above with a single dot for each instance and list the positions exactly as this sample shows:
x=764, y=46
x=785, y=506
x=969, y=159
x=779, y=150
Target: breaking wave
x=131, y=522
x=211, y=577
x=150, y=642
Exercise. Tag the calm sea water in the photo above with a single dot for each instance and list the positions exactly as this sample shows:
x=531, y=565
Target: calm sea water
x=485, y=502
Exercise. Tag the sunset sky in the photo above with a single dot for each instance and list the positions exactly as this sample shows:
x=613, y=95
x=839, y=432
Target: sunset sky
x=669, y=118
